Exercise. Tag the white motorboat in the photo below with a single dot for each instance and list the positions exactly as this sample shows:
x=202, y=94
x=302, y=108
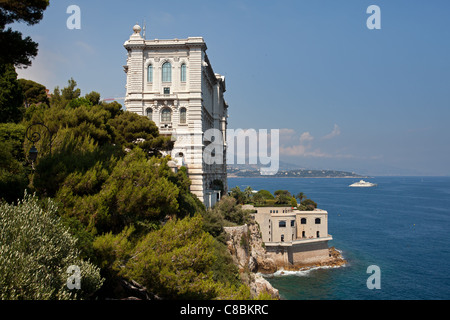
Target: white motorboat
x=362, y=183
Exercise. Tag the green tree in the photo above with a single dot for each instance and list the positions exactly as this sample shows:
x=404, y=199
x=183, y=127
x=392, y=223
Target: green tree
x=62, y=97
x=266, y=194
x=308, y=205
x=52, y=170
x=282, y=197
x=13, y=173
x=11, y=97
x=175, y=261
x=237, y=194
x=133, y=189
x=33, y=92
x=69, y=92
x=189, y=204
x=14, y=49
x=231, y=211
x=178, y=261
x=93, y=97
x=248, y=194
x=293, y=202
x=258, y=199
x=300, y=196
x=35, y=253
x=111, y=253
x=132, y=130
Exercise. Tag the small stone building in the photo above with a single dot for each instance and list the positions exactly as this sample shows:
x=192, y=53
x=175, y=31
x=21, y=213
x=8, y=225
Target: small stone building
x=294, y=237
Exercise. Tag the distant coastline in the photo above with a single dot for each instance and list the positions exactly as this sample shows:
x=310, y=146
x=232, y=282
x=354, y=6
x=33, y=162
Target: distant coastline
x=298, y=173
x=276, y=176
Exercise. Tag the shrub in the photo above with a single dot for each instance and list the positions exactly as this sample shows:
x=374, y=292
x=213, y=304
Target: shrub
x=231, y=211
x=266, y=194
x=35, y=253
x=293, y=202
x=308, y=205
x=175, y=261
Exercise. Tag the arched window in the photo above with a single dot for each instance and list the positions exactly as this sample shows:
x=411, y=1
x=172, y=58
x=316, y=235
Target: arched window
x=150, y=73
x=303, y=221
x=149, y=113
x=183, y=115
x=317, y=220
x=167, y=72
x=183, y=72
x=166, y=115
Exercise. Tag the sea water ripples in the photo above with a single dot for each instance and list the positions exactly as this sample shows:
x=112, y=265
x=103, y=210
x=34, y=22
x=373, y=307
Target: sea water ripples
x=401, y=226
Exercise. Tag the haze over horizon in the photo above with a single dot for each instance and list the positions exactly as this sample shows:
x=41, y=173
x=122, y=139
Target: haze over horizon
x=344, y=97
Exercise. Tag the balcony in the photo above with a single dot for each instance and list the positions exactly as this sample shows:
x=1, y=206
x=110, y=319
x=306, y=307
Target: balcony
x=166, y=128
x=162, y=96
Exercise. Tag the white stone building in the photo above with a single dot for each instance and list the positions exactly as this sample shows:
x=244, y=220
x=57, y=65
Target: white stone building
x=294, y=237
x=172, y=82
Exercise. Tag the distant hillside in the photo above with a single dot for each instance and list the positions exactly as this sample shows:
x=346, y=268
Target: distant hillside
x=296, y=173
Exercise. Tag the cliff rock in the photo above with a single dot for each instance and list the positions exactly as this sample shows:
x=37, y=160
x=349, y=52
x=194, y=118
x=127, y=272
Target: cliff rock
x=247, y=249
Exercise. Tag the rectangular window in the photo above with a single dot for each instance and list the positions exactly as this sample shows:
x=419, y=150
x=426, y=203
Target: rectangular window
x=150, y=73
x=150, y=113
x=167, y=72
x=282, y=224
x=183, y=115
x=183, y=73
x=166, y=115
x=166, y=90
x=292, y=223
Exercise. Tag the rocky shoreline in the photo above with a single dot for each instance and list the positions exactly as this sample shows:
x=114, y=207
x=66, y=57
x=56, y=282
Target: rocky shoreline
x=336, y=260
x=249, y=255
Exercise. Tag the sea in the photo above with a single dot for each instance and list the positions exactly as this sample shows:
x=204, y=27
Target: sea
x=395, y=237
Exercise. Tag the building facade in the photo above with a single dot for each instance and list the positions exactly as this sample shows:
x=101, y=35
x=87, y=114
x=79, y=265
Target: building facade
x=294, y=237
x=173, y=83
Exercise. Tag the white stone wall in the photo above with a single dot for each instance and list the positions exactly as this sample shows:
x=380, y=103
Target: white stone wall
x=310, y=229
x=201, y=94
x=269, y=220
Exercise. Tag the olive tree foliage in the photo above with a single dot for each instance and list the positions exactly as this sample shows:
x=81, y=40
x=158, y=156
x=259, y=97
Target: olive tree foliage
x=36, y=251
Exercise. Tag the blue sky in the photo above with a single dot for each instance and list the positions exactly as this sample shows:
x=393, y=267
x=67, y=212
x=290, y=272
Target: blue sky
x=343, y=96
